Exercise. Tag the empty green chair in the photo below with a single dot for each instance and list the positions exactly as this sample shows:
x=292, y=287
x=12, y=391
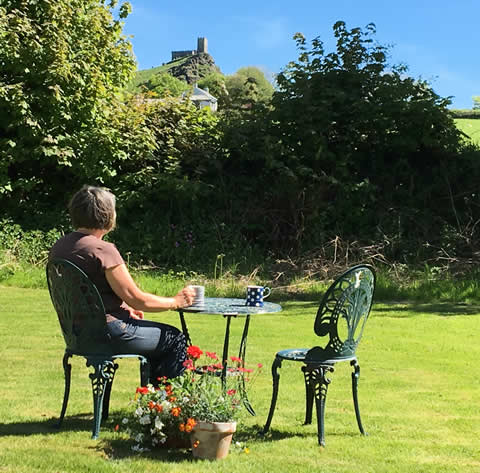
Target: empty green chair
x=340, y=321
x=82, y=319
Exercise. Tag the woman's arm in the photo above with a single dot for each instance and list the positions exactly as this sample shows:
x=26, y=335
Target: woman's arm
x=124, y=287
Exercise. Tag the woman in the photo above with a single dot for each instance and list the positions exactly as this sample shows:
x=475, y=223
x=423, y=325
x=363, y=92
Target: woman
x=92, y=210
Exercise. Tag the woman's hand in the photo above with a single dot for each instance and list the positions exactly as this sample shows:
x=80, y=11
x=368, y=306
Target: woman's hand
x=184, y=297
x=135, y=314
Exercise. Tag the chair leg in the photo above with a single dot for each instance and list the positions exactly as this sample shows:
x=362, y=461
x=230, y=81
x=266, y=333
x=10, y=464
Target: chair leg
x=277, y=363
x=67, y=370
x=99, y=378
x=309, y=395
x=144, y=371
x=108, y=389
x=355, y=378
x=320, y=384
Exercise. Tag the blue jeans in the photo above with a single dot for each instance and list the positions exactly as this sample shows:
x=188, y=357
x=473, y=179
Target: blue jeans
x=162, y=344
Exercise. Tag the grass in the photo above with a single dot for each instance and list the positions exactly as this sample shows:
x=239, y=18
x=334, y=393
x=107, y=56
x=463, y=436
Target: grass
x=419, y=395
x=470, y=127
x=143, y=76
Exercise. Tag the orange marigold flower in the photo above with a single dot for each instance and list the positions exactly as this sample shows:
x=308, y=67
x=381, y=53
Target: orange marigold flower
x=196, y=443
x=176, y=411
x=188, y=428
x=191, y=421
x=172, y=398
x=158, y=407
x=151, y=404
x=117, y=427
x=182, y=428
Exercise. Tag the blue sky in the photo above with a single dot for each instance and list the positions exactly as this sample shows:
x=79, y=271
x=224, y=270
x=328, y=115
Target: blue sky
x=437, y=39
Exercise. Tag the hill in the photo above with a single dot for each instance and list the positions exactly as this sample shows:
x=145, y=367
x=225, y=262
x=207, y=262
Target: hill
x=188, y=69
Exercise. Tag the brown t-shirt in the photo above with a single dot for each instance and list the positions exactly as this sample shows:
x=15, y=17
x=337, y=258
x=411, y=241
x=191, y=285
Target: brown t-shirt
x=93, y=256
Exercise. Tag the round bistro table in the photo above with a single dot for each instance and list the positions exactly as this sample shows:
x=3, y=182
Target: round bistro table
x=229, y=308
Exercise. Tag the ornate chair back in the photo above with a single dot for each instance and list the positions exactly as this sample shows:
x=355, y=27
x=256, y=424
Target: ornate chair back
x=343, y=313
x=79, y=308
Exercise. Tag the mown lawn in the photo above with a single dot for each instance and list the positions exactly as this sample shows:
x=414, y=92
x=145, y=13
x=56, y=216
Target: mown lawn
x=419, y=396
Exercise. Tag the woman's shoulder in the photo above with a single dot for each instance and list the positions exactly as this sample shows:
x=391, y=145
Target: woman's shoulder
x=109, y=252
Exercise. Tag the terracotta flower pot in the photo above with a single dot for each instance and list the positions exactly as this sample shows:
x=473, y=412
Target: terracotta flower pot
x=211, y=440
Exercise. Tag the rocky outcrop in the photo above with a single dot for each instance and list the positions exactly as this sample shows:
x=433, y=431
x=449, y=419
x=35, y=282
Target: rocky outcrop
x=194, y=68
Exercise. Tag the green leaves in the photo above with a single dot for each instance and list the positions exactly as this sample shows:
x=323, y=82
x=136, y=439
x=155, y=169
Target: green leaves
x=64, y=65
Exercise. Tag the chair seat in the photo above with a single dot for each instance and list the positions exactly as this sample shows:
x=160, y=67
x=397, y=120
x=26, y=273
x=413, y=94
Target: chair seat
x=300, y=354
x=104, y=355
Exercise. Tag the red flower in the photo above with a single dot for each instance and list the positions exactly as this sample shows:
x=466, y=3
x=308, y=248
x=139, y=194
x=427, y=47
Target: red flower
x=211, y=355
x=188, y=364
x=117, y=427
x=231, y=392
x=259, y=365
x=236, y=358
x=142, y=390
x=194, y=352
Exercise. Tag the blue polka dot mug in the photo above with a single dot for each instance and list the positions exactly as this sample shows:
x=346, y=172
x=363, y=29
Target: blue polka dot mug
x=256, y=294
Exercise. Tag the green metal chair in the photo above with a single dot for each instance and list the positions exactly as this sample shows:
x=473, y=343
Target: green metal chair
x=341, y=318
x=82, y=319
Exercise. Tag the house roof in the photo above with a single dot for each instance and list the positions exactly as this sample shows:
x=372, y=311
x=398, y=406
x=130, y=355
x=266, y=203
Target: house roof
x=201, y=95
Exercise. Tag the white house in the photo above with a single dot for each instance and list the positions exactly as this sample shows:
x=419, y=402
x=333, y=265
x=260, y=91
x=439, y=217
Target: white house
x=201, y=98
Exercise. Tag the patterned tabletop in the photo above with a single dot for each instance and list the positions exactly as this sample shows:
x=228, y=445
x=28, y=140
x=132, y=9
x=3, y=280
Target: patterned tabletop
x=224, y=305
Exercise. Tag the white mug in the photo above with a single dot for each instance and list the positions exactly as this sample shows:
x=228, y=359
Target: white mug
x=199, y=298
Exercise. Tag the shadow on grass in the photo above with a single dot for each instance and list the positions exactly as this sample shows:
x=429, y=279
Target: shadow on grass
x=254, y=434
x=400, y=309
x=442, y=309
x=77, y=423
x=120, y=448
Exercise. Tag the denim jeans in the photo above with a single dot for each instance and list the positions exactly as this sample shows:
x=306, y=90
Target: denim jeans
x=162, y=344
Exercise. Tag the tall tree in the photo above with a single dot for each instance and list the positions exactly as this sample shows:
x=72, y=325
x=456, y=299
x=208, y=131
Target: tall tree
x=246, y=79
x=63, y=65
x=353, y=138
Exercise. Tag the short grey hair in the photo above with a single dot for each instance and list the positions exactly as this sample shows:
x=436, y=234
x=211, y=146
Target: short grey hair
x=93, y=207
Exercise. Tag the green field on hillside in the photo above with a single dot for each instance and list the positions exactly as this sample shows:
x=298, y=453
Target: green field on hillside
x=143, y=76
x=470, y=127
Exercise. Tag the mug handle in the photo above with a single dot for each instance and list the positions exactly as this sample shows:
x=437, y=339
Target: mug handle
x=269, y=292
